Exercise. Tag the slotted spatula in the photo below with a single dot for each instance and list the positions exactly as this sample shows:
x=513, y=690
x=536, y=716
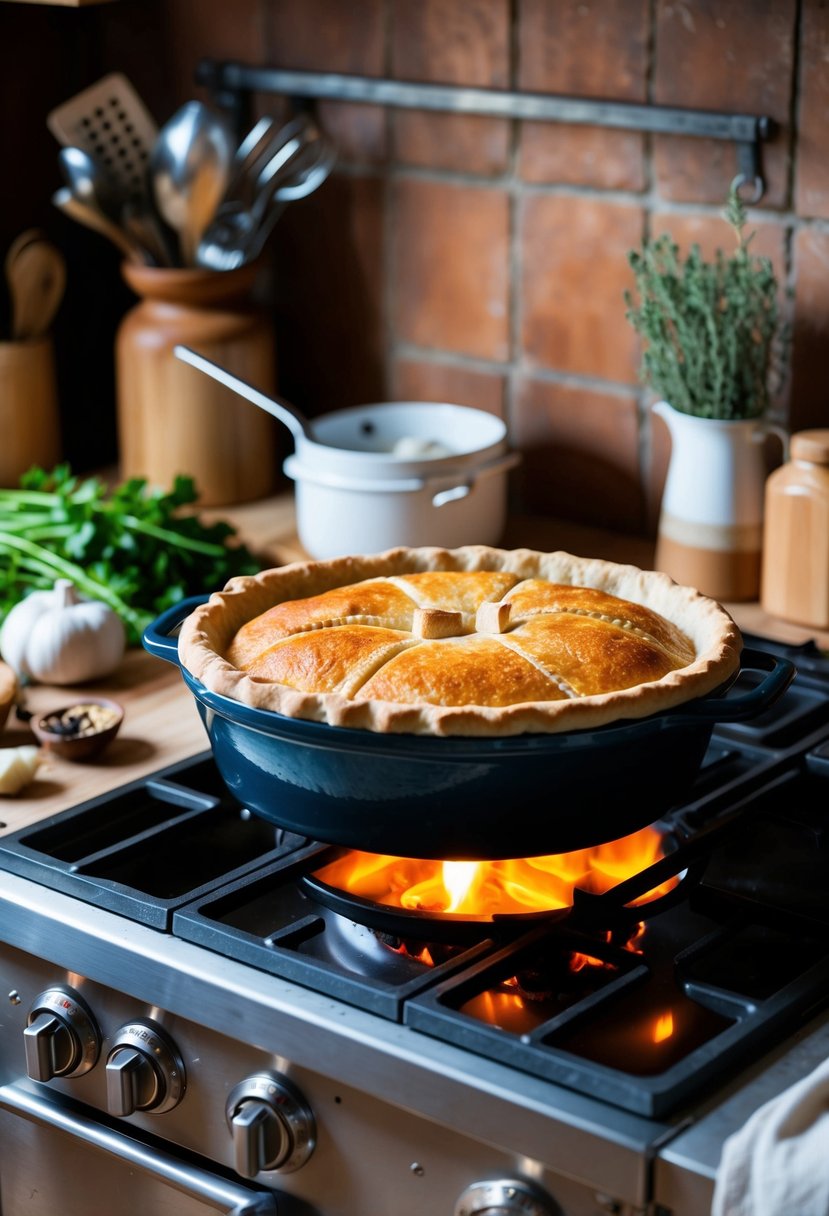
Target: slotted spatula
x=110, y=121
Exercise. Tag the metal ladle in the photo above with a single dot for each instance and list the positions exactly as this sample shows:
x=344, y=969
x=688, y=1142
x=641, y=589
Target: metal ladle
x=277, y=407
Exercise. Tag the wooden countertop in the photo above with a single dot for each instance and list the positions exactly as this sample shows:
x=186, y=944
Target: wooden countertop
x=161, y=724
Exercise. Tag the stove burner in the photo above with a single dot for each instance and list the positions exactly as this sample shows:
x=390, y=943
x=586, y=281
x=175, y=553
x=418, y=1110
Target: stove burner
x=422, y=927
x=433, y=901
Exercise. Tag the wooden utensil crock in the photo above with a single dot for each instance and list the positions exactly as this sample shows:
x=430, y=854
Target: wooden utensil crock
x=29, y=422
x=173, y=420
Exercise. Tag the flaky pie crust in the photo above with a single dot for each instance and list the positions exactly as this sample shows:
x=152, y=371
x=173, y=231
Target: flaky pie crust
x=698, y=643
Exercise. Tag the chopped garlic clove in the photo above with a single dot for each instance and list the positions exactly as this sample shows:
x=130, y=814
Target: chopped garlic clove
x=18, y=766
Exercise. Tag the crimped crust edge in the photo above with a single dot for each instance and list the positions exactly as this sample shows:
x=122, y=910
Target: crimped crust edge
x=207, y=632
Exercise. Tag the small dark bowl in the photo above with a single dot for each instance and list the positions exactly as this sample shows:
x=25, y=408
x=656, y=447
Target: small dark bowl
x=77, y=746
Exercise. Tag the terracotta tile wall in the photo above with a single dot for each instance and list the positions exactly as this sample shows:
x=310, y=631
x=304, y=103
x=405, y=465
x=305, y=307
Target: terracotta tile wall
x=504, y=244
x=484, y=261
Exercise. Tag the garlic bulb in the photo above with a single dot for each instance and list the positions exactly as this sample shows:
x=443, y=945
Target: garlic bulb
x=57, y=637
x=18, y=766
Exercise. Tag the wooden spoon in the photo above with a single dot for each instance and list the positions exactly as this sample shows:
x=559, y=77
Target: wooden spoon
x=36, y=275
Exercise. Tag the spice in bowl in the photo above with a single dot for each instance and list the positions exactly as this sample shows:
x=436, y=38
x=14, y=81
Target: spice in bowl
x=81, y=730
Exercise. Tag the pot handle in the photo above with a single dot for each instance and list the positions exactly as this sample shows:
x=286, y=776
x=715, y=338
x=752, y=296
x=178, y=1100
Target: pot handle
x=500, y=465
x=722, y=708
x=161, y=635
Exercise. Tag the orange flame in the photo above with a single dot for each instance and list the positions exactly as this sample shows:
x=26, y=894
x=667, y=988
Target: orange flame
x=534, y=884
x=579, y=961
x=663, y=1027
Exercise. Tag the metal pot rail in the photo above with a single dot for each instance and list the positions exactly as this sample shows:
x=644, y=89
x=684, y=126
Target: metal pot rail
x=232, y=84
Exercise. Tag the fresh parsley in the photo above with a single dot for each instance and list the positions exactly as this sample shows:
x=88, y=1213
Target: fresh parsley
x=136, y=548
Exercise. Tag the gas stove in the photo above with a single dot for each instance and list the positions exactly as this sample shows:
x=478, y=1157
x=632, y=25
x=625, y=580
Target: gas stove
x=191, y=1006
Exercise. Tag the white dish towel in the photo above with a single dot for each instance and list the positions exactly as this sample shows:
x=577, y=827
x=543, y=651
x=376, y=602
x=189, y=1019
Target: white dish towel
x=777, y=1164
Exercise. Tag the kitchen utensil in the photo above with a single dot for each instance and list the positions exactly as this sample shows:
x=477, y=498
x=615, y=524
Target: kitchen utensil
x=143, y=225
x=36, y=275
x=286, y=413
x=85, y=177
x=257, y=140
x=296, y=169
x=462, y=798
x=189, y=169
x=236, y=239
x=21, y=241
x=109, y=121
x=91, y=217
x=296, y=135
x=131, y=213
x=262, y=155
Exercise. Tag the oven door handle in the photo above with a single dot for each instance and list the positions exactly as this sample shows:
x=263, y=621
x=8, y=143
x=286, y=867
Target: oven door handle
x=233, y=1198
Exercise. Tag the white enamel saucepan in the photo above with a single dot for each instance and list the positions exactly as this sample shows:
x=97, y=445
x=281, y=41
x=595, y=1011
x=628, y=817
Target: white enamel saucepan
x=372, y=477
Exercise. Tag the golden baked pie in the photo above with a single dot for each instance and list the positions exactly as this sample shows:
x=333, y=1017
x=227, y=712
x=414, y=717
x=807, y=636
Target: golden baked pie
x=471, y=641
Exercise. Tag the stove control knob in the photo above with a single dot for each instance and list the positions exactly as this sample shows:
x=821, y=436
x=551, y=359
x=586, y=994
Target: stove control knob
x=271, y=1125
x=505, y=1197
x=144, y=1071
x=61, y=1038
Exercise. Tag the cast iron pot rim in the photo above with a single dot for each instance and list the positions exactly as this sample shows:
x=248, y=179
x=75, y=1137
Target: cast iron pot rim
x=355, y=740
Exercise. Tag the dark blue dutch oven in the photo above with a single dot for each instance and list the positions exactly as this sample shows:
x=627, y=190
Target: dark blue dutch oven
x=475, y=798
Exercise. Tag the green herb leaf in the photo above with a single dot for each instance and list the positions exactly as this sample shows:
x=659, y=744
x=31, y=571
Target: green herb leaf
x=714, y=344
x=136, y=548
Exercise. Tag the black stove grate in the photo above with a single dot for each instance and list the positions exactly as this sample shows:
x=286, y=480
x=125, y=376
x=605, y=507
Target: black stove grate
x=746, y=956
x=271, y=923
x=147, y=848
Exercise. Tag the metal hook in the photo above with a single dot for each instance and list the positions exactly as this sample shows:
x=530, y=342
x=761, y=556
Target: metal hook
x=759, y=187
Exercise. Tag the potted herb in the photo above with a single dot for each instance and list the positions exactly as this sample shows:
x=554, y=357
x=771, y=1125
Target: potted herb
x=712, y=354
x=711, y=328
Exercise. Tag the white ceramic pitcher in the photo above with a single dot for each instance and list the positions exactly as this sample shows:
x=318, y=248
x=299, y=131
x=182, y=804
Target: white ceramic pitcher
x=711, y=521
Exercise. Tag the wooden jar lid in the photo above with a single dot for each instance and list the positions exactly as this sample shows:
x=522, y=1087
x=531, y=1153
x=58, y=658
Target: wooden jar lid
x=811, y=445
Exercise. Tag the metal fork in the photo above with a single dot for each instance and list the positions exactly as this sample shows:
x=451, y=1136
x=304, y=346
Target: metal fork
x=237, y=237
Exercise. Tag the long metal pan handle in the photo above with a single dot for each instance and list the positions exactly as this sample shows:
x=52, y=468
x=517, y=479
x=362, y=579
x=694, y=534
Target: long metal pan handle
x=234, y=1198
x=160, y=637
x=746, y=705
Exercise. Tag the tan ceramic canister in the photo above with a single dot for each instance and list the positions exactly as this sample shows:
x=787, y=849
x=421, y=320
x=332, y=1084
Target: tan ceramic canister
x=173, y=419
x=795, y=573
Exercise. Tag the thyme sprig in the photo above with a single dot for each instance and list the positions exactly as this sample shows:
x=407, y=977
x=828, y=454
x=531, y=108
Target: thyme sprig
x=714, y=345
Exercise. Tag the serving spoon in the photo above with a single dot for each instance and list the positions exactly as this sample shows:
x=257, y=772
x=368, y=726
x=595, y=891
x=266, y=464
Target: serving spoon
x=277, y=407
x=190, y=165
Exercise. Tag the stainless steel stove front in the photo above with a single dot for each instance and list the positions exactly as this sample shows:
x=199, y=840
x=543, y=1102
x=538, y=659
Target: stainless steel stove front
x=396, y=1121
x=399, y=1123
